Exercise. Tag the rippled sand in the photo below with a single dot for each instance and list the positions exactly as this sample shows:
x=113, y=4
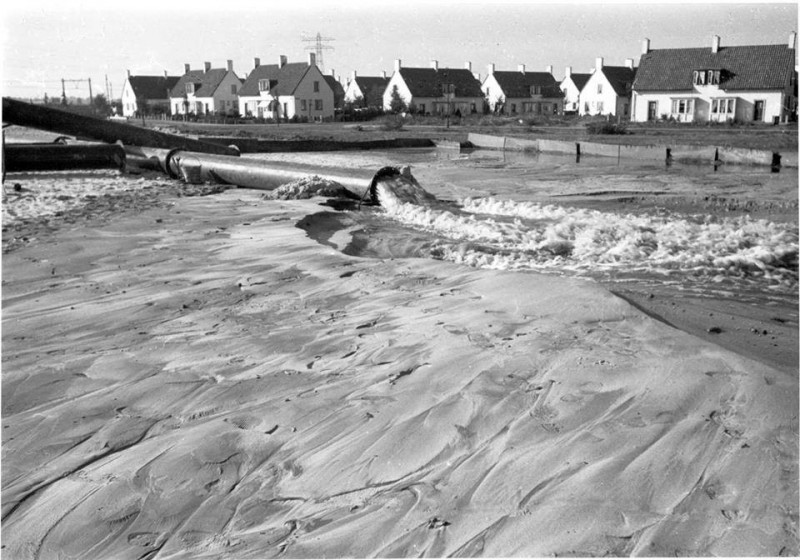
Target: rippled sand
x=202, y=378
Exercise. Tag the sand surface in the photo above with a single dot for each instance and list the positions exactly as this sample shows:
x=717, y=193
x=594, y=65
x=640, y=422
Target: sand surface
x=200, y=377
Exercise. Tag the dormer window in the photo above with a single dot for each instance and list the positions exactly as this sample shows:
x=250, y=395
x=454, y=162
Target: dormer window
x=189, y=87
x=536, y=90
x=263, y=85
x=706, y=77
x=448, y=88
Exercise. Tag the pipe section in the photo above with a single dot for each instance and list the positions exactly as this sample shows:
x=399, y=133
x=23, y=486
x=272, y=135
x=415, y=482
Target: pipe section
x=195, y=167
x=49, y=157
x=64, y=122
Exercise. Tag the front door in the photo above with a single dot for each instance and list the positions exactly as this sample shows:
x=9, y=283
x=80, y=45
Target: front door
x=652, y=107
x=758, y=111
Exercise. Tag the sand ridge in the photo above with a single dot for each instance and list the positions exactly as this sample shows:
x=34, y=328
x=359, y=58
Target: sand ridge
x=210, y=382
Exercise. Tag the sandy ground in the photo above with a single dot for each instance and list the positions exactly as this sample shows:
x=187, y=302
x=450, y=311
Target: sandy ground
x=197, y=377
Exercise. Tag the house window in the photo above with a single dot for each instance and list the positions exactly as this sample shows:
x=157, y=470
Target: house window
x=233, y=89
x=682, y=107
x=189, y=87
x=536, y=90
x=599, y=88
x=713, y=77
x=513, y=107
x=303, y=105
x=316, y=87
x=263, y=85
x=422, y=108
x=600, y=107
x=318, y=104
x=723, y=106
x=473, y=108
x=699, y=77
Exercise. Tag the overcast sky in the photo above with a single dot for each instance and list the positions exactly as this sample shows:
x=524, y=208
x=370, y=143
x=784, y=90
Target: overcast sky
x=45, y=41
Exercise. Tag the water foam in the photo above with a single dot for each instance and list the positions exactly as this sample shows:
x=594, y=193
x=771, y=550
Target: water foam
x=504, y=234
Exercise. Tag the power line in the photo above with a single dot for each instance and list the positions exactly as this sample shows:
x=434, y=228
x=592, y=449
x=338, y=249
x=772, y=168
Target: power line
x=318, y=48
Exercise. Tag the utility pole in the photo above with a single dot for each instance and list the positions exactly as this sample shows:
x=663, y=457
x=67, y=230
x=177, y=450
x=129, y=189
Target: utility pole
x=318, y=49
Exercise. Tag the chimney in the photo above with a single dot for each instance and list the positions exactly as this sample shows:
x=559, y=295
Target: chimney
x=490, y=68
x=646, y=46
x=256, y=62
x=435, y=64
x=549, y=68
x=477, y=75
x=598, y=63
x=383, y=74
x=333, y=73
x=792, y=39
x=230, y=66
x=568, y=71
x=312, y=59
x=186, y=68
x=629, y=63
x=129, y=73
x=397, y=65
x=521, y=68
x=282, y=61
x=715, y=43
x=207, y=66
x=468, y=66
x=353, y=76
x=166, y=75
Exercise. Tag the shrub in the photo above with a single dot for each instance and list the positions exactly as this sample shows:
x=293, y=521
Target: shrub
x=393, y=122
x=605, y=128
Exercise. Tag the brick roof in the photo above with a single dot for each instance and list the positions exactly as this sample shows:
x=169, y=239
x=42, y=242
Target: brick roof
x=427, y=82
x=518, y=84
x=745, y=68
x=373, y=88
x=205, y=83
x=152, y=87
x=621, y=78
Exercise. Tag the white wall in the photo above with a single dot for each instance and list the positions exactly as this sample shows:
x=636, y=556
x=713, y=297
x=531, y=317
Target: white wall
x=572, y=95
x=745, y=104
x=305, y=91
x=405, y=93
x=590, y=95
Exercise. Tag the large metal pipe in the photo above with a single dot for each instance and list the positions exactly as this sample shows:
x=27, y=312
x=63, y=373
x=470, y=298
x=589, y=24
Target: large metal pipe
x=64, y=122
x=254, y=173
x=48, y=157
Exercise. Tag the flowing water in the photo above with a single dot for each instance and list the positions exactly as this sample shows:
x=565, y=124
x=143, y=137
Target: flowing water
x=715, y=254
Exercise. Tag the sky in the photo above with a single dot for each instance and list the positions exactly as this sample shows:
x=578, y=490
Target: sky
x=44, y=41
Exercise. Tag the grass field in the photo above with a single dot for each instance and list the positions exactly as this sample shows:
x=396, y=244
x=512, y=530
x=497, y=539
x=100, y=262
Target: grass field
x=779, y=138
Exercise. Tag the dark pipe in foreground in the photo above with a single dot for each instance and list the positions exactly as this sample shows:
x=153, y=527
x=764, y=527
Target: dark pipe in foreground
x=64, y=122
x=50, y=157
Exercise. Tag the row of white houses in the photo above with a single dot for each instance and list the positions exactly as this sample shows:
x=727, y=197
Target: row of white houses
x=743, y=83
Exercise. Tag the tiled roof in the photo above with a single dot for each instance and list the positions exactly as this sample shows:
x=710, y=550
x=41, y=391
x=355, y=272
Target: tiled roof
x=427, y=82
x=621, y=78
x=338, y=90
x=580, y=80
x=287, y=77
x=748, y=67
x=373, y=88
x=152, y=87
x=205, y=83
x=518, y=84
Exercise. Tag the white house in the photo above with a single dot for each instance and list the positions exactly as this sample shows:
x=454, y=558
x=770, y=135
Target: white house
x=608, y=90
x=287, y=90
x=435, y=90
x=211, y=91
x=747, y=84
x=571, y=85
x=147, y=94
x=522, y=92
x=366, y=91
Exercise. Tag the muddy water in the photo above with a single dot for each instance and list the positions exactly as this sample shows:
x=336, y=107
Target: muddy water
x=723, y=240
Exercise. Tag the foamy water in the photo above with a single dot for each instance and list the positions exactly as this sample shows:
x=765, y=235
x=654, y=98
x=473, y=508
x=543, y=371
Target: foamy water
x=505, y=234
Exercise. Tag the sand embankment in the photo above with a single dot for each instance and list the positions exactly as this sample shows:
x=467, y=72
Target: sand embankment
x=204, y=380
